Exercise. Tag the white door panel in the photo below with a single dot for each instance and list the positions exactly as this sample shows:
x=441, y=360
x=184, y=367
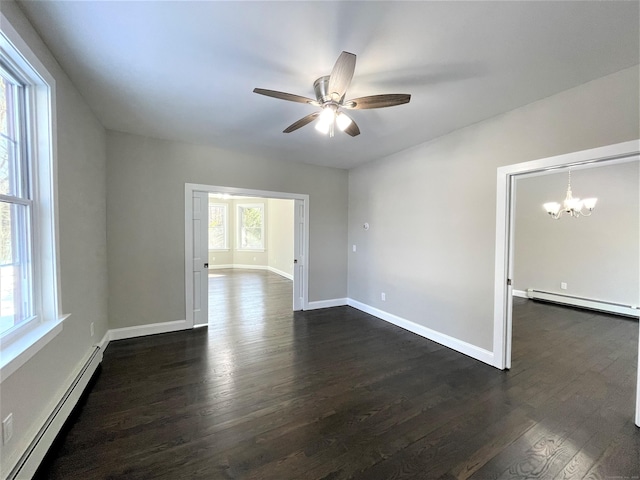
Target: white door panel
x=200, y=257
x=299, y=262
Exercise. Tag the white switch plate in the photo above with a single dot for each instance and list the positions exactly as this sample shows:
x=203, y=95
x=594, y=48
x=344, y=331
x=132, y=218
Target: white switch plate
x=354, y=248
x=7, y=429
x=563, y=285
x=383, y=297
x=91, y=328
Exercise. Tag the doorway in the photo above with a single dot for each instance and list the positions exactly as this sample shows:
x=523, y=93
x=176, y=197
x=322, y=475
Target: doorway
x=505, y=202
x=196, y=244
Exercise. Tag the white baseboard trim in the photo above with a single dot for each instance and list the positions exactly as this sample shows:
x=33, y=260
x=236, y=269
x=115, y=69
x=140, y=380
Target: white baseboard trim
x=334, y=302
x=253, y=267
x=249, y=267
x=33, y=453
x=468, y=349
x=151, y=329
x=520, y=293
x=280, y=272
x=102, y=344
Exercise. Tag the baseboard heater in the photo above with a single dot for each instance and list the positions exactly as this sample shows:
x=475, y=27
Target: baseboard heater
x=588, y=303
x=30, y=460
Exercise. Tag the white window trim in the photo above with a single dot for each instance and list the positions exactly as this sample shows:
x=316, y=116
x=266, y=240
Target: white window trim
x=226, y=227
x=17, y=349
x=239, y=227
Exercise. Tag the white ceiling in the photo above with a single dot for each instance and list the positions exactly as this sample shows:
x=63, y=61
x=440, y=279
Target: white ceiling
x=185, y=70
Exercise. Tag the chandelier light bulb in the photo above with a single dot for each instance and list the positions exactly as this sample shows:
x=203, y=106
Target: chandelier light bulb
x=552, y=208
x=589, y=203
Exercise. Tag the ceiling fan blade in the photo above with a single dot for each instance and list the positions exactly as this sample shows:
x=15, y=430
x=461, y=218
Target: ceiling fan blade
x=352, y=129
x=341, y=75
x=286, y=96
x=378, y=101
x=301, y=123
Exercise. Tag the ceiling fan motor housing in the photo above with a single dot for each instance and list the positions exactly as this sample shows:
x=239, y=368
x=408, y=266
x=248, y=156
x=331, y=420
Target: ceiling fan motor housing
x=321, y=87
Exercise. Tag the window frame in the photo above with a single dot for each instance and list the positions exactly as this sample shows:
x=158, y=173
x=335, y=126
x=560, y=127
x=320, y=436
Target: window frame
x=19, y=345
x=239, y=226
x=22, y=197
x=225, y=225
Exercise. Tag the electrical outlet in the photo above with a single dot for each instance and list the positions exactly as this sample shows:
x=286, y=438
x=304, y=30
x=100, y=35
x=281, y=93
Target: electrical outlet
x=563, y=285
x=254, y=259
x=91, y=328
x=7, y=429
x=383, y=297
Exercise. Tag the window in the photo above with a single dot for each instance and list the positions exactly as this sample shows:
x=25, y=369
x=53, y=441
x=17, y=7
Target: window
x=16, y=206
x=218, y=226
x=29, y=286
x=251, y=227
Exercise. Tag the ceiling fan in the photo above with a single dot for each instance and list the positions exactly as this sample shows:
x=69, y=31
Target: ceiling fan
x=330, y=97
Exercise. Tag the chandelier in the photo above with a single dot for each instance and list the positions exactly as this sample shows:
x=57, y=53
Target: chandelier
x=571, y=206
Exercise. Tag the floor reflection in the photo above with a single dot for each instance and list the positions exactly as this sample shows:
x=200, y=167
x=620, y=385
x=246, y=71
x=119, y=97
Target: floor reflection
x=246, y=309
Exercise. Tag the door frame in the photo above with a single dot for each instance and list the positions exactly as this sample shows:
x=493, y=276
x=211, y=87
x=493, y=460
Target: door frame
x=189, y=188
x=505, y=198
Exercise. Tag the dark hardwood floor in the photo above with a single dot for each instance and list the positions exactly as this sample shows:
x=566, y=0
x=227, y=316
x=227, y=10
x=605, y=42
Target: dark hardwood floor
x=264, y=393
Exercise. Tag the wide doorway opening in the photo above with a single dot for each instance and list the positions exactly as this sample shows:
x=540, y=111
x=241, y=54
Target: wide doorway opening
x=251, y=260
x=562, y=326
x=245, y=254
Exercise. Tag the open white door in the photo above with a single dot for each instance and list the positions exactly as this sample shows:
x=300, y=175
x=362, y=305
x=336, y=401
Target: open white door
x=509, y=300
x=200, y=268
x=299, y=255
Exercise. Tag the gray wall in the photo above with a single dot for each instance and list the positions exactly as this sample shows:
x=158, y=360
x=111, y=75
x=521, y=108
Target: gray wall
x=31, y=391
x=598, y=256
x=145, y=220
x=431, y=244
x=431, y=210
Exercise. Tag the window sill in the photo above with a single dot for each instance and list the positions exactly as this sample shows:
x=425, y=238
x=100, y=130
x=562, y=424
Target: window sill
x=18, y=352
x=250, y=249
x=219, y=249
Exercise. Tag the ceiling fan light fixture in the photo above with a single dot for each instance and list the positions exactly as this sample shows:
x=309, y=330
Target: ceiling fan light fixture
x=325, y=120
x=323, y=127
x=343, y=121
x=330, y=93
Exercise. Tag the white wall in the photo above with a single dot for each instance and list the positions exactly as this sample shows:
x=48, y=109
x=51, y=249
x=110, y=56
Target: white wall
x=598, y=256
x=278, y=241
x=145, y=220
x=248, y=257
x=224, y=257
x=431, y=244
x=31, y=391
x=280, y=235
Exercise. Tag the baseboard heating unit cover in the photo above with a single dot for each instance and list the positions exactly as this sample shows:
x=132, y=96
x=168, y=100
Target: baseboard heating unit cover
x=588, y=303
x=30, y=460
